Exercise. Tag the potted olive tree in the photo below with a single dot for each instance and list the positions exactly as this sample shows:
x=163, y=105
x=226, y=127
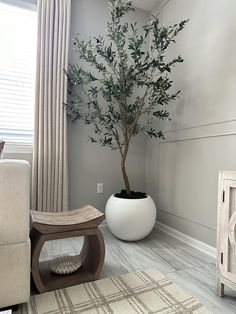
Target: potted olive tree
x=123, y=90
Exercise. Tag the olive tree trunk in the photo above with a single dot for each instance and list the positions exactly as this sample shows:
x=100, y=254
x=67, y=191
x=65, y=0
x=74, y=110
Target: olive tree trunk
x=123, y=169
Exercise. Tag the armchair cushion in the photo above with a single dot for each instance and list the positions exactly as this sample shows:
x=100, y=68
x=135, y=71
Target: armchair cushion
x=14, y=232
x=15, y=260
x=14, y=201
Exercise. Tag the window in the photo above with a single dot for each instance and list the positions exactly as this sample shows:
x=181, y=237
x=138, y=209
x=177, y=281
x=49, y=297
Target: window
x=18, y=38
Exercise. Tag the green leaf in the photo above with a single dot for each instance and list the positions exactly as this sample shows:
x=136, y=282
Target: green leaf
x=119, y=85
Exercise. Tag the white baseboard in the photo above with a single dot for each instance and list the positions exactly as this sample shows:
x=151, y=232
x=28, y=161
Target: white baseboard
x=196, y=244
x=199, y=245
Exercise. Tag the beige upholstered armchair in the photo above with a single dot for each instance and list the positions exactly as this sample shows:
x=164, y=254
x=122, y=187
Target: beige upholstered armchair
x=14, y=232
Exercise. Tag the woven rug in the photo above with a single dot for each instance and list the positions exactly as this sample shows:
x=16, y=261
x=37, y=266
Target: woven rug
x=140, y=292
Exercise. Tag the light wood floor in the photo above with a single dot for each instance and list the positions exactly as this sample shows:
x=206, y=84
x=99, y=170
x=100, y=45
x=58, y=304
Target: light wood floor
x=191, y=269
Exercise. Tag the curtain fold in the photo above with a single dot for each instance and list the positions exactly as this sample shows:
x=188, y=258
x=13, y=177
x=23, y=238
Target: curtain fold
x=50, y=162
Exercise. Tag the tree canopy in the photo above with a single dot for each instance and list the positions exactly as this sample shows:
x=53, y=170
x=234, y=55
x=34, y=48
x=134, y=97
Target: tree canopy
x=128, y=78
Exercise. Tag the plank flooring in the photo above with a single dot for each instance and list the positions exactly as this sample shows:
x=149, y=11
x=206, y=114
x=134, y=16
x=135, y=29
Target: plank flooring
x=191, y=269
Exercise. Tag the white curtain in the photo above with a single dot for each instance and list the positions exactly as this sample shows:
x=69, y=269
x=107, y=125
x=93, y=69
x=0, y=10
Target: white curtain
x=50, y=169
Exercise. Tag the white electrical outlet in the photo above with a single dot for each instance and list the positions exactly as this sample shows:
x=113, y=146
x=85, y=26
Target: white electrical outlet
x=99, y=188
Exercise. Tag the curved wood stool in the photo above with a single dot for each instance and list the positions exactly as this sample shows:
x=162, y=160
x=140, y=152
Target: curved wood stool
x=72, y=223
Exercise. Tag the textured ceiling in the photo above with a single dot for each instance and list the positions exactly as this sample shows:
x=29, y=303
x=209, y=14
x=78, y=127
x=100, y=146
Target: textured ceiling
x=147, y=5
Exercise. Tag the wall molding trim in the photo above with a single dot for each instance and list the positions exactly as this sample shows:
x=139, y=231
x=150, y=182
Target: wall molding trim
x=208, y=130
x=199, y=245
x=200, y=125
x=186, y=219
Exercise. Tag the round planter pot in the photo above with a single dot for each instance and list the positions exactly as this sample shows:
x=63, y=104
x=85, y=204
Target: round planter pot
x=130, y=219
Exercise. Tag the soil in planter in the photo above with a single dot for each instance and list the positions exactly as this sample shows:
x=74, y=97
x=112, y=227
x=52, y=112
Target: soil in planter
x=132, y=195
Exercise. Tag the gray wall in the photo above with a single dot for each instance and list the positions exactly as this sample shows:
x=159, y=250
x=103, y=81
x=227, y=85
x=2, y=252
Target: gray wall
x=89, y=163
x=182, y=171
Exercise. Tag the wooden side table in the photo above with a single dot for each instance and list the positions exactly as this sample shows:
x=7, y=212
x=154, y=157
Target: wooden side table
x=72, y=223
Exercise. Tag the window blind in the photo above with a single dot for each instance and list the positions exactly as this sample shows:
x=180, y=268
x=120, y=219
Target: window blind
x=18, y=38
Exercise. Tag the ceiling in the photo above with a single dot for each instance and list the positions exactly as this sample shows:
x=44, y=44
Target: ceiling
x=147, y=5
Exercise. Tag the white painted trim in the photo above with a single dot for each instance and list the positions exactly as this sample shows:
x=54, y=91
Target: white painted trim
x=209, y=130
x=196, y=244
x=186, y=219
x=200, y=125
x=196, y=138
x=199, y=245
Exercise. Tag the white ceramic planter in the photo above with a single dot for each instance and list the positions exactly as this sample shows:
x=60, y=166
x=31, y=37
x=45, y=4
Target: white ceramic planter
x=130, y=219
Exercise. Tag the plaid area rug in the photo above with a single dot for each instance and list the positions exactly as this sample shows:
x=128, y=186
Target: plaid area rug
x=140, y=292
